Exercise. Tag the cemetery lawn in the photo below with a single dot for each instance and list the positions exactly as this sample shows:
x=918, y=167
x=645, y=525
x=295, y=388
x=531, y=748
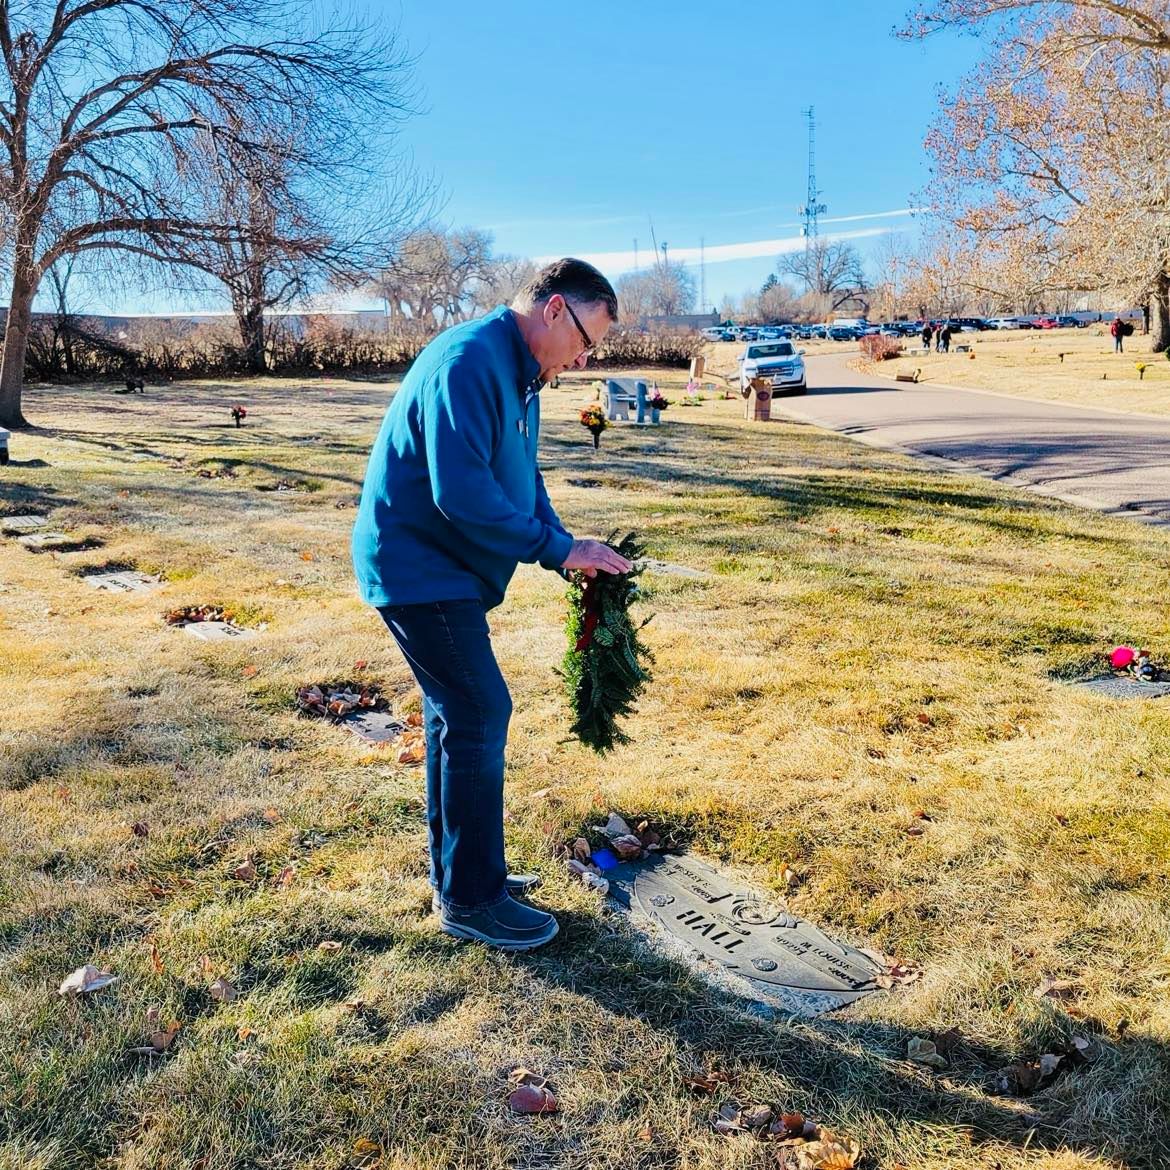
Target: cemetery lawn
x=866, y=690
x=1027, y=363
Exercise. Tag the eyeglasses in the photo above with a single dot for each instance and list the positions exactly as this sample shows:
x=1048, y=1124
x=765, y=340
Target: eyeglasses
x=590, y=346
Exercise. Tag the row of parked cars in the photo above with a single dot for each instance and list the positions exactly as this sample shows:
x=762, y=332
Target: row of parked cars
x=852, y=329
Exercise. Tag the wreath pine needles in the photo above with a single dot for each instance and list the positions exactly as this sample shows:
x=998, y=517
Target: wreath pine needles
x=606, y=665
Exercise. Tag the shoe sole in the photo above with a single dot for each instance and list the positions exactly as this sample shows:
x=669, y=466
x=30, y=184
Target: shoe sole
x=470, y=935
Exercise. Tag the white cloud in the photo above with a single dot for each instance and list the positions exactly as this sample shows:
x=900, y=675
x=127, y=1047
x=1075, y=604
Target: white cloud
x=617, y=262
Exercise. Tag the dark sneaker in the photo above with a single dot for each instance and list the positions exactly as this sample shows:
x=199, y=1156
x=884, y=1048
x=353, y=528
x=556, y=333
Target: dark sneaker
x=510, y=925
x=519, y=885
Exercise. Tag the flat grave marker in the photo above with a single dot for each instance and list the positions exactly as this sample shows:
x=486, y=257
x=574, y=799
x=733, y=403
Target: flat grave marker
x=127, y=581
x=672, y=570
x=742, y=937
x=217, y=631
x=14, y=524
x=374, y=726
x=39, y=540
x=1113, y=686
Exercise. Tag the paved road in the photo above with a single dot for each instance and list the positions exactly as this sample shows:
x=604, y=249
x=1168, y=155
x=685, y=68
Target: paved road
x=1101, y=459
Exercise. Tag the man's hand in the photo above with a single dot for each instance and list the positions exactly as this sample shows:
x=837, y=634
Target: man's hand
x=590, y=555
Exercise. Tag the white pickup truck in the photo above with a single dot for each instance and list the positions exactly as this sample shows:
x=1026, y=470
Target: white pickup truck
x=777, y=361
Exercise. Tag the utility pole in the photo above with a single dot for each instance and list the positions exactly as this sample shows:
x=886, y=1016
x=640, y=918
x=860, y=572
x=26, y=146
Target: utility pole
x=812, y=205
x=664, y=254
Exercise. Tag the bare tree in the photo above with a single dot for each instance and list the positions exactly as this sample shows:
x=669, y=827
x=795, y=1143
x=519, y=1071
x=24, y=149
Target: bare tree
x=431, y=280
x=666, y=289
x=1054, y=153
x=828, y=268
x=102, y=103
x=502, y=279
x=301, y=230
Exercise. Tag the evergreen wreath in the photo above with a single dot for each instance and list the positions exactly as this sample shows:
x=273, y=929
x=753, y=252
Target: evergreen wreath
x=606, y=666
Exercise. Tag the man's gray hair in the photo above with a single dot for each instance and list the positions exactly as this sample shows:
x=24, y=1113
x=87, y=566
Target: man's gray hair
x=575, y=280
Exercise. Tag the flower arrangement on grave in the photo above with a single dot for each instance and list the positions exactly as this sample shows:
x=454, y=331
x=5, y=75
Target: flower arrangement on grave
x=606, y=665
x=594, y=420
x=239, y=413
x=1136, y=663
x=658, y=400
x=199, y=613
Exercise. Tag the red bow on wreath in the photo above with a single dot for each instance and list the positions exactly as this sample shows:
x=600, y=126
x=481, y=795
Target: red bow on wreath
x=592, y=613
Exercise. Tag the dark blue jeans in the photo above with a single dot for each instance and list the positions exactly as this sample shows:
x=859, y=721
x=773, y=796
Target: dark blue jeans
x=466, y=708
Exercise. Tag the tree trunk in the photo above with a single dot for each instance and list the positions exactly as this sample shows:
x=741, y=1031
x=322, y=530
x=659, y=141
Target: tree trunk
x=251, y=322
x=15, y=347
x=1160, y=300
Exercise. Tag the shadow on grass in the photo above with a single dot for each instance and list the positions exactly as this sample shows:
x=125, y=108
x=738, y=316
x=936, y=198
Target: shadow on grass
x=850, y=1070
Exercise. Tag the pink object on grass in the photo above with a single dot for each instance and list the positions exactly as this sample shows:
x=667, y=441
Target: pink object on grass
x=1122, y=657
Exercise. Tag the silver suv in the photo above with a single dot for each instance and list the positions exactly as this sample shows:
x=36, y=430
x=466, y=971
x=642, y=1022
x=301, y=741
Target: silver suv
x=777, y=361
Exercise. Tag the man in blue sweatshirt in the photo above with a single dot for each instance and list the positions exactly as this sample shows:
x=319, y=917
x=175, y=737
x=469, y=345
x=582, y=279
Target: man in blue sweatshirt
x=453, y=500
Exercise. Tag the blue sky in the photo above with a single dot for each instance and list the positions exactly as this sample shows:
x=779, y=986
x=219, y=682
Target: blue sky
x=565, y=128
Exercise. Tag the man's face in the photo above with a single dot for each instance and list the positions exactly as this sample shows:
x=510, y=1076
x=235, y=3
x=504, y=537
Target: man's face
x=568, y=342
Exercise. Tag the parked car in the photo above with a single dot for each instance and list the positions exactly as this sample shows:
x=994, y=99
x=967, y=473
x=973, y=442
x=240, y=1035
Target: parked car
x=714, y=333
x=1044, y=323
x=778, y=361
x=1003, y=323
x=1068, y=322
x=843, y=333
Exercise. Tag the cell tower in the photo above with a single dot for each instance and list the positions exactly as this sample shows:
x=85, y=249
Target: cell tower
x=812, y=206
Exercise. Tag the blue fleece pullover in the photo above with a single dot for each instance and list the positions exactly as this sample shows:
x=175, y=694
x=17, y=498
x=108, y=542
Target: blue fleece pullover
x=453, y=498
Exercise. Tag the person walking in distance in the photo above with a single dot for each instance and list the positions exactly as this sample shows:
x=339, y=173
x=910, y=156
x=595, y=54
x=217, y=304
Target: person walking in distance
x=452, y=502
x=1117, y=331
x=927, y=334
x=944, y=339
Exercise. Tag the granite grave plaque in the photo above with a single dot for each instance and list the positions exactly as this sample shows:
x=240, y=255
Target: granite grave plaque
x=14, y=524
x=374, y=726
x=41, y=540
x=747, y=941
x=128, y=581
x=1114, y=686
x=217, y=631
x=673, y=570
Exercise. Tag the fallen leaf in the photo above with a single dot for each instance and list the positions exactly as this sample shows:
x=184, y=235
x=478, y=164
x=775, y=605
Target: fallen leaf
x=245, y=872
x=364, y=1152
x=789, y=876
x=246, y=1033
x=923, y=1051
x=306, y=556
x=1061, y=989
x=532, y=1099
x=206, y=966
x=414, y=719
x=645, y=1134
x=915, y=831
x=924, y=719
x=757, y=1116
x=250, y=671
x=360, y=664
x=85, y=980
x=222, y=991
x=708, y=1082
x=581, y=851
x=330, y=945
x=156, y=960
x=831, y=1152
x=787, y=1125
x=415, y=754
x=286, y=877
x=271, y=815
x=525, y=1076
x=152, y=1015
x=140, y=829
x=161, y=1040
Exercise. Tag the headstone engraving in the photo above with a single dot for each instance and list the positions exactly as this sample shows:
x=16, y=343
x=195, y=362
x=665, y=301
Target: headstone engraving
x=1114, y=686
x=217, y=631
x=12, y=524
x=762, y=950
x=374, y=726
x=128, y=581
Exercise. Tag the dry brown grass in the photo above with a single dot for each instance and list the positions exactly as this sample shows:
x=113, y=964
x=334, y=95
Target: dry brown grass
x=851, y=592
x=1027, y=363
